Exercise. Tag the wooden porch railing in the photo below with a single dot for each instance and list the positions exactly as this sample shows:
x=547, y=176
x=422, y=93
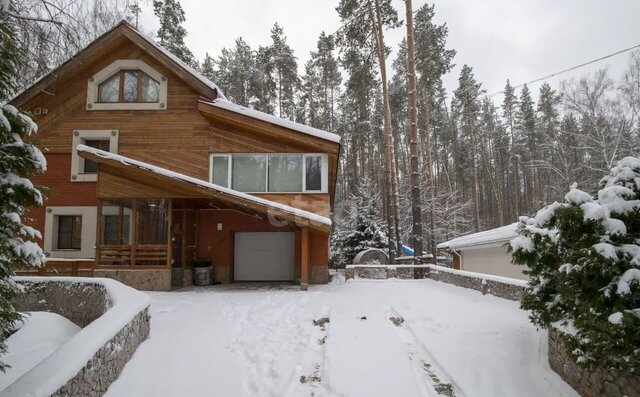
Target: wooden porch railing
x=62, y=268
x=130, y=255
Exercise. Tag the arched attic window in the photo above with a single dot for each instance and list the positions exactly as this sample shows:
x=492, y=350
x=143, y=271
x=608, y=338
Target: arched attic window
x=127, y=85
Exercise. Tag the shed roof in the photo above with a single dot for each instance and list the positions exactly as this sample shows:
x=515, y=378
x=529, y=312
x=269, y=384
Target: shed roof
x=201, y=189
x=485, y=238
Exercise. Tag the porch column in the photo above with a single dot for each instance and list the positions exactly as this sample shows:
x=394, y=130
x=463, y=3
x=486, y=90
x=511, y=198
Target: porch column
x=304, y=250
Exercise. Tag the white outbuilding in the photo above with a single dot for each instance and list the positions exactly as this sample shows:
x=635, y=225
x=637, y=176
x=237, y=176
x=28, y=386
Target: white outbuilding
x=485, y=252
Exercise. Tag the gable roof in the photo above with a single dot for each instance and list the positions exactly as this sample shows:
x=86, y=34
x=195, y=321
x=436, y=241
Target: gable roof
x=222, y=103
x=192, y=185
x=490, y=237
x=200, y=83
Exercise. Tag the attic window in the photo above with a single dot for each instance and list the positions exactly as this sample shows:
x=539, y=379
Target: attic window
x=127, y=84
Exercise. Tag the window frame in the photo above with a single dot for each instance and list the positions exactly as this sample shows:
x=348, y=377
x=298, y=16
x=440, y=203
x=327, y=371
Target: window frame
x=324, y=171
x=121, y=95
x=74, y=233
x=122, y=66
x=77, y=162
x=88, y=236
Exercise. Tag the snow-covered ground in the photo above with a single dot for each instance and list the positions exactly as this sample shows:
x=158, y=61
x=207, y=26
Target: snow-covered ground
x=383, y=338
x=39, y=335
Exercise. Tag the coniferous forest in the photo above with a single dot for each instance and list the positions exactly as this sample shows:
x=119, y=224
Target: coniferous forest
x=469, y=162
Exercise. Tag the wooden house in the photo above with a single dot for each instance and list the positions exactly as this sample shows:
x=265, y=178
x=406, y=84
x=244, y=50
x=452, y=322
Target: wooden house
x=151, y=169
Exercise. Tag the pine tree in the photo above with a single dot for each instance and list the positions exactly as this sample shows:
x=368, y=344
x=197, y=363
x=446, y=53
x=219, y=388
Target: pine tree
x=433, y=60
x=467, y=103
x=284, y=72
x=263, y=90
x=171, y=32
x=330, y=76
x=525, y=125
x=583, y=257
x=235, y=70
x=18, y=161
x=509, y=106
x=207, y=67
x=364, y=227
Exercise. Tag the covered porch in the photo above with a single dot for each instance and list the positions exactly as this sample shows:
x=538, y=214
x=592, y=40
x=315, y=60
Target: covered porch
x=153, y=225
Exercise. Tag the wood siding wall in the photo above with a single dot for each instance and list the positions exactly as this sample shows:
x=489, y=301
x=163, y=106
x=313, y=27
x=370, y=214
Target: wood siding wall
x=179, y=138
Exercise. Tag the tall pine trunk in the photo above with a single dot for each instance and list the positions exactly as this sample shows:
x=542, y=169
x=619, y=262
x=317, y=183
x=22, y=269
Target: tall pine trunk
x=392, y=197
x=416, y=208
x=429, y=167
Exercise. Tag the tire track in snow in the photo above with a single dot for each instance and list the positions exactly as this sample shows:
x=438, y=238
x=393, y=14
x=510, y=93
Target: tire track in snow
x=432, y=379
x=307, y=379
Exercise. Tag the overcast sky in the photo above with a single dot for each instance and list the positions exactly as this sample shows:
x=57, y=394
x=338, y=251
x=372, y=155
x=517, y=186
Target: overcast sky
x=515, y=39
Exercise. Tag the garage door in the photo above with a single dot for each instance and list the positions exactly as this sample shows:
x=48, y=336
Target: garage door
x=264, y=256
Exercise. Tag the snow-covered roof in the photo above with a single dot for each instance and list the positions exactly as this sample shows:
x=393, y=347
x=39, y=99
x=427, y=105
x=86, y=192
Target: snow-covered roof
x=197, y=75
x=210, y=186
x=485, y=238
x=269, y=118
x=177, y=60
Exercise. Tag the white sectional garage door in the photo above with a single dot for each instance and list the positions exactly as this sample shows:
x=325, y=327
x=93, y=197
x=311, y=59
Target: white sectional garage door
x=264, y=256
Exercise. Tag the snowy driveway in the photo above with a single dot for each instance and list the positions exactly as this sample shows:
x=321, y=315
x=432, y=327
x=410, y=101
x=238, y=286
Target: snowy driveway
x=443, y=341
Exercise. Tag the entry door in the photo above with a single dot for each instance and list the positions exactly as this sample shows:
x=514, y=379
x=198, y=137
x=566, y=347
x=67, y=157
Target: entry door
x=264, y=256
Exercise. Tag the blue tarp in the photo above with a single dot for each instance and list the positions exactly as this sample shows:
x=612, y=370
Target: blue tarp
x=407, y=250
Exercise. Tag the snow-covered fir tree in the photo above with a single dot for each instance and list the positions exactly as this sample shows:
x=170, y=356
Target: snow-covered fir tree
x=171, y=33
x=584, y=261
x=18, y=161
x=363, y=228
x=283, y=72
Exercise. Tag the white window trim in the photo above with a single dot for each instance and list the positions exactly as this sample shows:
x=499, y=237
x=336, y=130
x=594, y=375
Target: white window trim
x=324, y=171
x=122, y=64
x=77, y=162
x=87, y=238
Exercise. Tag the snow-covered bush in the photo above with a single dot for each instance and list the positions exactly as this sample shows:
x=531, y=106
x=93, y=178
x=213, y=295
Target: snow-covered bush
x=584, y=261
x=362, y=229
x=18, y=161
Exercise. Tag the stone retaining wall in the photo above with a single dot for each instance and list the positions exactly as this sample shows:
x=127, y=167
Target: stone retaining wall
x=487, y=284
x=602, y=382
x=512, y=290
x=104, y=368
x=383, y=272
x=79, y=302
x=115, y=320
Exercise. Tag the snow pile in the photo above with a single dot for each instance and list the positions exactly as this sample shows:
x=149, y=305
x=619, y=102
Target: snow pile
x=210, y=186
x=65, y=362
x=37, y=337
x=485, y=238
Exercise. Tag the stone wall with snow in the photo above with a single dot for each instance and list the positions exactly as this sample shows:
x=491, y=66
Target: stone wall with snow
x=502, y=287
x=601, y=382
x=115, y=319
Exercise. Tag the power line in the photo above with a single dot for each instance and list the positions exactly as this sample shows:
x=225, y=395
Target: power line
x=569, y=69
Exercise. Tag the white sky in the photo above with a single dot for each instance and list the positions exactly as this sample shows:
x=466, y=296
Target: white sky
x=515, y=39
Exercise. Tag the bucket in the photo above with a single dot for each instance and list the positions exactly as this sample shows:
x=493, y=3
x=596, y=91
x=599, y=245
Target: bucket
x=202, y=274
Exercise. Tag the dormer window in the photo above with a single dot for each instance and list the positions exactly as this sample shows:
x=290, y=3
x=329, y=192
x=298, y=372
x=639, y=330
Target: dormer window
x=127, y=84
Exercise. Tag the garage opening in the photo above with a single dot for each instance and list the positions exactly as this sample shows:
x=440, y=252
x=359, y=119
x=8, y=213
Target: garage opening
x=264, y=256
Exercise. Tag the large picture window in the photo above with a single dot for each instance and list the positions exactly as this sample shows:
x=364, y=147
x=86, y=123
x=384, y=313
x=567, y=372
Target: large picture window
x=270, y=173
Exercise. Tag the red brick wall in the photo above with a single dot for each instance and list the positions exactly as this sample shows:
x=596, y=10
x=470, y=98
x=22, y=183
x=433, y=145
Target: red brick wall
x=58, y=190
x=217, y=246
